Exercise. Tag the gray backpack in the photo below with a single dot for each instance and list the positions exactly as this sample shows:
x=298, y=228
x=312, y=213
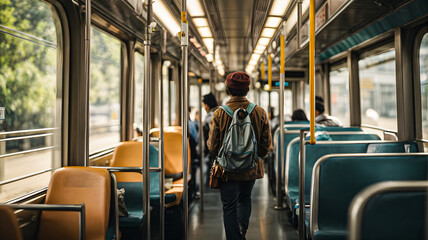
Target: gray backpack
x=239, y=150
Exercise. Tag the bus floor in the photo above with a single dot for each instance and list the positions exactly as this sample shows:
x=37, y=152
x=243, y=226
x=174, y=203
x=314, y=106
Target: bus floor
x=266, y=223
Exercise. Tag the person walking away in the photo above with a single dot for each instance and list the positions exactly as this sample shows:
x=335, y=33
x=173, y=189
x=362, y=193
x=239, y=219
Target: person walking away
x=236, y=191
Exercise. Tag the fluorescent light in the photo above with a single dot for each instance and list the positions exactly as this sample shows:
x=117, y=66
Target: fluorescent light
x=255, y=57
x=205, y=32
x=166, y=17
x=195, y=8
x=221, y=72
x=219, y=62
x=263, y=41
x=200, y=22
x=259, y=51
x=209, y=43
x=260, y=48
x=253, y=62
x=291, y=21
x=273, y=22
x=268, y=32
x=279, y=7
x=209, y=57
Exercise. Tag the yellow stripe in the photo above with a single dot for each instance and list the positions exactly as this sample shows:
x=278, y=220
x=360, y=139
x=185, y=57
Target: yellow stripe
x=282, y=54
x=183, y=17
x=263, y=70
x=270, y=72
x=312, y=69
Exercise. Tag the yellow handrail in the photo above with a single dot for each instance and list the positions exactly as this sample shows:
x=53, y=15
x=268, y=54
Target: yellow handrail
x=282, y=70
x=270, y=71
x=312, y=69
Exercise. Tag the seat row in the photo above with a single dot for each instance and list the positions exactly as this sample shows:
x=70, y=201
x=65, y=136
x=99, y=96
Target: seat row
x=339, y=166
x=95, y=191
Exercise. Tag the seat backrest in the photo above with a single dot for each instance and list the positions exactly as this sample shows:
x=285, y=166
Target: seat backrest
x=393, y=147
x=173, y=149
x=313, y=153
x=340, y=129
x=382, y=219
x=76, y=185
x=357, y=136
x=337, y=179
x=130, y=154
x=9, y=229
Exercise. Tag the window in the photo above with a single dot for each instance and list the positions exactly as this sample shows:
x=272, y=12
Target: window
x=138, y=92
x=339, y=94
x=377, y=89
x=30, y=83
x=423, y=61
x=165, y=92
x=104, y=92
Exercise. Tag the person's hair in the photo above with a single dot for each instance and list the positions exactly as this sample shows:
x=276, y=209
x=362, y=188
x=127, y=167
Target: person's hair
x=210, y=100
x=319, y=106
x=299, y=115
x=320, y=99
x=237, y=92
x=272, y=112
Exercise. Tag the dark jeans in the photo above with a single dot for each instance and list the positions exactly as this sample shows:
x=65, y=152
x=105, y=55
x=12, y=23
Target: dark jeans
x=236, y=199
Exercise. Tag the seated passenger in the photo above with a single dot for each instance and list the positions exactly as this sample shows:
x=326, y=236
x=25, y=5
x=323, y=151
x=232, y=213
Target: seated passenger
x=323, y=118
x=299, y=115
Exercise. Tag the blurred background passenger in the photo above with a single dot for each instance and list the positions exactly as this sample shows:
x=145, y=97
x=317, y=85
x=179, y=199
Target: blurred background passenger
x=299, y=115
x=321, y=117
x=209, y=103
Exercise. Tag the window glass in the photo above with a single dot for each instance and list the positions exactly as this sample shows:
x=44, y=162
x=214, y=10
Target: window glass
x=339, y=94
x=423, y=61
x=138, y=93
x=30, y=83
x=377, y=89
x=173, y=104
x=104, y=92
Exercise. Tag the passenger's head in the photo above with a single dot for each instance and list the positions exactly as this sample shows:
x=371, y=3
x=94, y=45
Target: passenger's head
x=209, y=102
x=319, y=108
x=237, y=84
x=319, y=99
x=299, y=115
x=271, y=113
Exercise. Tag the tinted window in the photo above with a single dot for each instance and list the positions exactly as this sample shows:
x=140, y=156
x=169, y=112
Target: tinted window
x=104, y=92
x=378, y=94
x=30, y=83
x=138, y=92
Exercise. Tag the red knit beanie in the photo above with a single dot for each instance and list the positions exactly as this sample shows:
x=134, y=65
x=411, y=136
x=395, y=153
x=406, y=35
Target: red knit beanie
x=238, y=80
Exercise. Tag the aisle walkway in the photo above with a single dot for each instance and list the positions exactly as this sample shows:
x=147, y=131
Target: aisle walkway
x=265, y=223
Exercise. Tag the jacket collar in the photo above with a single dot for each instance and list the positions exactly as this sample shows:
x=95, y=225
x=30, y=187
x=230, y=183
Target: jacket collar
x=234, y=99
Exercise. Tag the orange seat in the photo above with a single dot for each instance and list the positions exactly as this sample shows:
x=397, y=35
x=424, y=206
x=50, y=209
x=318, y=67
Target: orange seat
x=9, y=229
x=128, y=154
x=76, y=185
x=173, y=149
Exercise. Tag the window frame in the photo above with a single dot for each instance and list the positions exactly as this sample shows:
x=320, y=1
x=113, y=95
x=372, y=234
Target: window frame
x=417, y=82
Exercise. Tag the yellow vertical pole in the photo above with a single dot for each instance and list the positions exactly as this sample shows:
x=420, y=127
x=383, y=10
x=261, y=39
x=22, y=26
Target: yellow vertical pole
x=263, y=70
x=312, y=69
x=270, y=71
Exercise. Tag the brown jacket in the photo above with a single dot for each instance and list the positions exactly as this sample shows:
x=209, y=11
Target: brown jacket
x=260, y=122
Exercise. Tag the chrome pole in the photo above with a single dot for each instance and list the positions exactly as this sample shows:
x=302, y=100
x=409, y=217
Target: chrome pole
x=88, y=8
x=184, y=110
x=161, y=148
x=201, y=148
x=302, y=185
x=279, y=204
x=146, y=121
x=299, y=23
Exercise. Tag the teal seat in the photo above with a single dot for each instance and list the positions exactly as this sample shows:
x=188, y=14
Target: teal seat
x=134, y=195
x=339, y=178
x=375, y=214
x=313, y=153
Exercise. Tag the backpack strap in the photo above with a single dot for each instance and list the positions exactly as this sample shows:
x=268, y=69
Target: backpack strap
x=228, y=110
x=251, y=108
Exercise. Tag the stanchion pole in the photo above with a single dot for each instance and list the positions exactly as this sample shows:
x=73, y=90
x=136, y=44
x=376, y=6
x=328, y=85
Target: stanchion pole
x=184, y=108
